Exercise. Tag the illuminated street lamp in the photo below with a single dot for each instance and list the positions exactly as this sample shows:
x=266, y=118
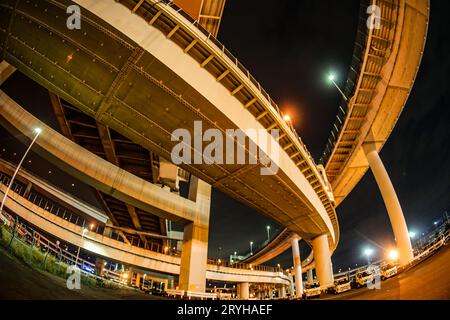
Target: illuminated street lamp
x=287, y=118
x=332, y=78
x=393, y=255
x=412, y=234
x=83, y=232
x=38, y=131
x=268, y=233
x=251, y=247
x=368, y=253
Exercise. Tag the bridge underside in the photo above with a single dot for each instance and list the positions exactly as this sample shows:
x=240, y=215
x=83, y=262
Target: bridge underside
x=122, y=87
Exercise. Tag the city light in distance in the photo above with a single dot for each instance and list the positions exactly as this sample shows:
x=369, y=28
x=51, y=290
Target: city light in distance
x=368, y=252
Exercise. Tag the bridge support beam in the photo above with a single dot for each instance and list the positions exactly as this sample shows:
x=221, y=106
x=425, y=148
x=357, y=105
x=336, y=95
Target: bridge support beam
x=195, y=240
x=244, y=291
x=297, y=267
x=391, y=202
x=309, y=276
x=322, y=260
x=283, y=292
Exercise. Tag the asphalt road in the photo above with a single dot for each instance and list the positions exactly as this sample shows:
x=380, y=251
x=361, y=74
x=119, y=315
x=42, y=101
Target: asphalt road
x=429, y=280
x=19, y=281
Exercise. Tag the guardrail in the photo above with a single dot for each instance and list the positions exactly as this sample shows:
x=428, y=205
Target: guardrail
x=29, y=236
x=62, y=212
x=351, y=82
x=424, y=247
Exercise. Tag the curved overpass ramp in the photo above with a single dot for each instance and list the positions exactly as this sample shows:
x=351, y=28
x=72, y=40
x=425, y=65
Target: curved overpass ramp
x=384, y=69
x=144, y=69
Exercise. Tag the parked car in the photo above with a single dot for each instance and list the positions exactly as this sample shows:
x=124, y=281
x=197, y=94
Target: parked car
x=388, y=270
x=341, y=285
x=362, y=277
x=312, y=291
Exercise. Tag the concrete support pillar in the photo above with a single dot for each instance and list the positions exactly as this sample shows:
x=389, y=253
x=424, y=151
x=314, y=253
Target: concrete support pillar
x=310, y=277
x=107, y=232
x=244, y=291
x=99, y=267
x=392, y=204
x=28, y=190
x=283, y=292
x=291, y=285
x=195, y=240
x=138, y=280
x=297, y=267
x=322, y=260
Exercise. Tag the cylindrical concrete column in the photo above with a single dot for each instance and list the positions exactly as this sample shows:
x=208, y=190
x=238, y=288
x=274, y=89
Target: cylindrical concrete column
x=283, y=292
x=392, y=204
x=297, y=267
x=322, y=260
x=291, y=285
x=310, y=277
x=244, y=291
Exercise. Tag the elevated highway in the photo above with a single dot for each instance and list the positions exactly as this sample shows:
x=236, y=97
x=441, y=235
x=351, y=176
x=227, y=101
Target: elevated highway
x=143, y=69
x=384, y=67
x=185, y=76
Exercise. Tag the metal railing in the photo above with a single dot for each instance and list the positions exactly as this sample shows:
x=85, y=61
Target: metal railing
x=350, y=84
x=35, y=239
x=62, y=212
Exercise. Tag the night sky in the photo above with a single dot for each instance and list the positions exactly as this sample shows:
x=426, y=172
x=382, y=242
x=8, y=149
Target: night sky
x=290, y=46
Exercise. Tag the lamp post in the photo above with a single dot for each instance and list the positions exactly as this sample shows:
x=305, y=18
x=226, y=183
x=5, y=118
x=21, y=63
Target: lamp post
x=368, y=253
x=268, y=233
x=38, y=132
x=251, y=248
x=332, y=78
x=83, y=232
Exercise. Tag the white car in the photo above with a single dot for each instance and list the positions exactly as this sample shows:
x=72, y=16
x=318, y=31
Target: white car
x=341, y=285
x=312, y=291
x=388, y=271
x=364, y=276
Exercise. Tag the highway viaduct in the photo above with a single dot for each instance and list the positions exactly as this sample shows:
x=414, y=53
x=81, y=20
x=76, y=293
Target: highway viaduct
x=165, y=73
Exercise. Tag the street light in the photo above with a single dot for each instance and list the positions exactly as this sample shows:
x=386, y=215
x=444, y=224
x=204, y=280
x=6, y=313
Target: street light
x=38, y=131
x=368, y=253
x=268, y=233
x=83, y=232
x=251, y=247
x=412, y=234
x=332, y=78
x=393, y=255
